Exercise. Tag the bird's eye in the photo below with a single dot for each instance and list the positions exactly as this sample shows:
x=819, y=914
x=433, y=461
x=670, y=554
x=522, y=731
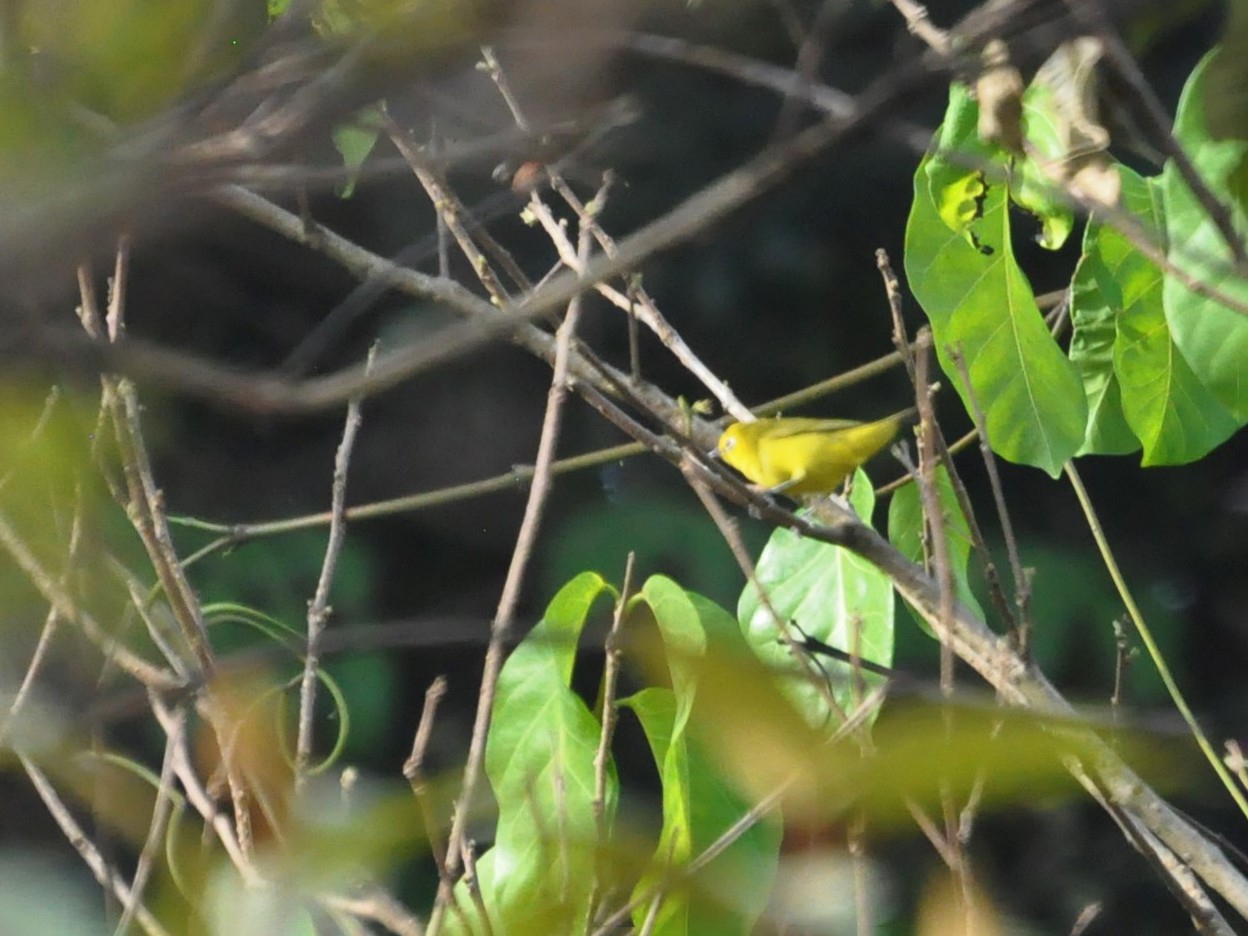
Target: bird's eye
x=727, y=445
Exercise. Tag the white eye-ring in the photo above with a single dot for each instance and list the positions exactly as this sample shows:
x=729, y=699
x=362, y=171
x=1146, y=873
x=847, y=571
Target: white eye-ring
x=728, y=445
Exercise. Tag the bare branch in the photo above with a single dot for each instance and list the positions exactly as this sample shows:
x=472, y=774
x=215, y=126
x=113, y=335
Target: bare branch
x=318, y=608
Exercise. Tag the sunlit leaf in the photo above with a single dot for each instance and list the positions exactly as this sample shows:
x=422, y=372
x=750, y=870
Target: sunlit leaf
x=1212, y=337
x=539, y=875
x=1175, y=417
x=699, y=805
x=1092, y=353
x=699, y=801
x=978, y=299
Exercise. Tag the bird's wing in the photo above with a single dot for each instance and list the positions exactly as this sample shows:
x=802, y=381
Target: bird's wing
x=789, y=428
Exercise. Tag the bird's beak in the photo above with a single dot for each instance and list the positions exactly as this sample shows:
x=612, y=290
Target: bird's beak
x=713, y=454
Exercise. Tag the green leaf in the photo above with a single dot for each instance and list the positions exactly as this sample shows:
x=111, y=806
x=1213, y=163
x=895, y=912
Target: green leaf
x=905, y=531
x=538, y=877
x=1212, y=337
x=1094, y=297
x=1164, y=404
x=729, y=894
x=354, y=141
x=977, y=298
x=1036, y=191
x=830, y=594
x=958, y=190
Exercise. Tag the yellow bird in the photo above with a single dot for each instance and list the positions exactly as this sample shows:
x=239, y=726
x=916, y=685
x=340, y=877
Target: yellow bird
x=805, y=456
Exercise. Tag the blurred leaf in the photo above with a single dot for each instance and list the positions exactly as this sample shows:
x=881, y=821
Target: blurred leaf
x=38, y=897
x=1163, y=403
x=977, y=297
x=830, y=594
x=754, y=734
x=729, y=893
x=354, y=141
x=699, y=803
x=342, y=839
x=1226, y=104
x=233, y=907
x=905, y=531
x=1068, y=149
x=129, y=58
x=1212, y=337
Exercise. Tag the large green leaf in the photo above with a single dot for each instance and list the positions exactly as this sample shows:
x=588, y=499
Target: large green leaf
x=1163, y=403
x=729, y=894
x=828, y=593
x=905, y=530
x=977, y=298
x=1092, y=353
x=1212, y=337
x=539, y=876
x=699, y=804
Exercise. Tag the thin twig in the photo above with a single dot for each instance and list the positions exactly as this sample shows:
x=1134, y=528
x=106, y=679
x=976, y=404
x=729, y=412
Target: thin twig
x=413, y=769
x=46, y=633
x=198, y=796
x=156, y=829
x=748, y=820
x=1174, y=873
x=114, y=318
x=1086, y=918
x=635, y=302
x=107, y=876
x=58, y=599
x=610, y=713
x=920, y=24
x=318, y=608
x=856, y=845
x=944, y=452
x=503, y=619
x=732, y=536
x=28, y=444
x=453, y=211
x=495, y=71
x=930, y=496
x=931, y=832
x=380, y=907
